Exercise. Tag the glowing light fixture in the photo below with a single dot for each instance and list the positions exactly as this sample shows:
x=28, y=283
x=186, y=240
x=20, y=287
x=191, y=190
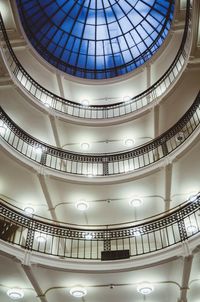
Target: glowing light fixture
x=89, y=236
x=145, y=288
x=191, y=228
x=15, y=293
x=82, y=205
x=126, y=98
x=78, y=292
x=129, y=142
x=38, y=149
x=136, y=202
x=29, y=210
x=40, y=237
x=192, y=198
x=85, y=146
x=85, y=102
x=136, y=232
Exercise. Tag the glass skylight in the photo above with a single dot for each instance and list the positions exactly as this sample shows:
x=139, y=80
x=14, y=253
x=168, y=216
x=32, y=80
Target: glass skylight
x=96, y=39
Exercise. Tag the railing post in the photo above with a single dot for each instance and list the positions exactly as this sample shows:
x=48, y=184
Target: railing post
x=164, y=146
x=107, y=245
x=43, y=158
x=30, y=236
x=182, y=230
x=105, y=166
x=107, y=242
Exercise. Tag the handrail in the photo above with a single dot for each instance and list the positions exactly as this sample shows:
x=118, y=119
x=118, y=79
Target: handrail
x=35, y=234
x=106, y=164
x=97, y=112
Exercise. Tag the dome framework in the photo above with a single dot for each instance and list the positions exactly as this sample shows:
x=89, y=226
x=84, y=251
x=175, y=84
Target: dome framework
x=96, y=39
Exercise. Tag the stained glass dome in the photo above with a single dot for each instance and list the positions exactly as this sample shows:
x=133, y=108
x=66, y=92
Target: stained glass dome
x=96, y=39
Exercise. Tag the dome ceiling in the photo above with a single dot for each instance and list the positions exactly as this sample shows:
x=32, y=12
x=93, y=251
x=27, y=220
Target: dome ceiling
x=96, y=39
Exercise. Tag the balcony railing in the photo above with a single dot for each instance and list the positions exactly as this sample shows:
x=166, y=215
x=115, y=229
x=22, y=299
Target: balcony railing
x=98, y=112
x=98, y=165
x=71, y=241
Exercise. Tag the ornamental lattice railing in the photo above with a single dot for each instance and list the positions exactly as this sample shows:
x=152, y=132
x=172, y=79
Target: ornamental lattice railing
x=98, y=112
x=97, y=165
x=71, y=241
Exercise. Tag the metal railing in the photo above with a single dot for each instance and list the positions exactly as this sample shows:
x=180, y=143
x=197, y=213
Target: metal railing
x=98, y=112
x=71, y=241
x=107, y=164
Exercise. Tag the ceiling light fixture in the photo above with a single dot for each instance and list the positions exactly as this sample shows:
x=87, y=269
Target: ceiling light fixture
x=38, y=149
x=145, y=288
x=40, y=237
x=126, y=98
x=136, y=202
x=89, y=236
x=78, y=292
x=193, y=198
x=85, y=102
x=191, y=228
x=129, y=142
x=85, y=146
x=82, y=205
x=136, y=232
x=29, y=210
x=15, y=293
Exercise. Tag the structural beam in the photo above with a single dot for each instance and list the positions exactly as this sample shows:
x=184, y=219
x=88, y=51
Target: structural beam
x=168, y=186
x=29, y=273
x=187, y=266
x=156, y=113
x=55, y=130
x=195, y=28
x=47, y=196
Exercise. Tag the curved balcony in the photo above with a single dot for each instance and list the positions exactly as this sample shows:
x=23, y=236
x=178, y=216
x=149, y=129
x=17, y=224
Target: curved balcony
x=99, y=165
x=95, y=243
x=123, y=108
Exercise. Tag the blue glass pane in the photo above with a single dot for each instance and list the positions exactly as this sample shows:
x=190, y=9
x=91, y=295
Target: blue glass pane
x=96, y=39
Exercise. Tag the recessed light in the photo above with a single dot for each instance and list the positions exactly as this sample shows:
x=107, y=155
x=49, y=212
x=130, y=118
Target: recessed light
x=136, y=202
x=136, y=232
x=85, y=102
x=145, y=288
x=40, y=237
x=129, y=142
x=29, y=210
x=191, y=228
x=38, y=149
x=85, y=146
x=78, y=292
x=193, y=198
x=82, y=205
x=88, y=236
x=126, y=98
x=15, y=293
